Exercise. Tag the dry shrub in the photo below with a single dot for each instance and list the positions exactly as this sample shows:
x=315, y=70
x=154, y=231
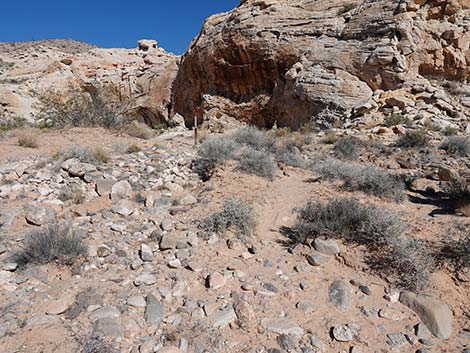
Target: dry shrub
x=28, y=138
x=100, y=154
x=367, y=178
x=133, y=148
x=256, y=162
x=413, y=139
x=235, y=214
x=406, y=261
x=457, y=145
x=140, y=130
x=88, y=105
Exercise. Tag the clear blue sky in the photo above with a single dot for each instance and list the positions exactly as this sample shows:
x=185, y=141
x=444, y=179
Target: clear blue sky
x=109, y=23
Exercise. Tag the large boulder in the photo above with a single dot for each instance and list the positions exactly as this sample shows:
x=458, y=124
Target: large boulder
x=434, y=314
x=285, y=61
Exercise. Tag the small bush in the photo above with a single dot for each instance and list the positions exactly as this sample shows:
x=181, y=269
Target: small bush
x=346, y=147
x=457, y=189
x=410, y=139
x=346, y=8
x=236, y=214
x=11, y=124
x=396, y=119
x=347, y=219
x=457, y=145
x=133, y=149
x=140, y=130
x=256, y=162
x=28, y=138
x=97, y=345
x=369, y=179
x=290, y=155
x=213, y=152
x=405, y=261
x=55, y=243
x=255, y=138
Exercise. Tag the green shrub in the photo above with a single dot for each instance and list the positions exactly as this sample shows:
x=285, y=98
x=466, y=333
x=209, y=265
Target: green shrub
x=235, y=214
x=55, y=243
x=457, y=145
x=416, y=138
x=256, y=162
x=367, y=178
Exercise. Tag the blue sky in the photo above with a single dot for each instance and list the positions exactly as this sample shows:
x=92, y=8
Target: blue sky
x=109, y=23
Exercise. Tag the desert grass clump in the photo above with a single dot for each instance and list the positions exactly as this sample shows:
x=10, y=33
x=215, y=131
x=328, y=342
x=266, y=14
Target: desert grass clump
x=457, y=145
x=413, y=139
x=346, y=148
x=28, y=138
x=235, y=214
x=133, y=148
x=54, y=243
x=213, y=152
x=140, y=130
x=100, y=154
x=255, y=162
x=366, y=178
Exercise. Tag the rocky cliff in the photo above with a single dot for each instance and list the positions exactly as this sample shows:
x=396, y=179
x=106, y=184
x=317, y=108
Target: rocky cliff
x=287, y=61
x=144, y=74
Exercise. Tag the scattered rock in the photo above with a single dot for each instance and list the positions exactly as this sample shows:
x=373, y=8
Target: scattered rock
x=146, y=253
x=121, y=190
x=326, y=246
x=39, y=216
x=216, y=280
x=153, y=311
x=343, y=333
x=339, y=293
x=282, y=326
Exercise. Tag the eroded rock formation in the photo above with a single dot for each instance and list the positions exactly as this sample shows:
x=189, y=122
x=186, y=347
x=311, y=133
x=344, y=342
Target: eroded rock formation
x=29, y=69
x=286, y=61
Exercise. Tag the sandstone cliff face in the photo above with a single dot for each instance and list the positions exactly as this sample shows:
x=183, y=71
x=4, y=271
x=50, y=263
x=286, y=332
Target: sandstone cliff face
x=286, y=61
x=28, y=69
